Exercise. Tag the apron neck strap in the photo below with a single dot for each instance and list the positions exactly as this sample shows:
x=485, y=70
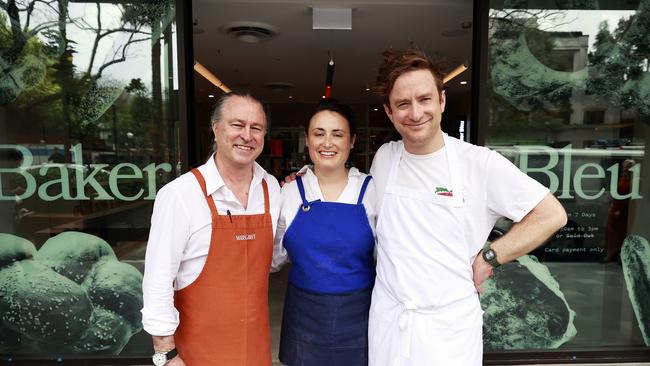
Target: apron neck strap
x=363, y=189
x=392, y=173
x=454, y=171
x=210, y=201
x=267, y=204
x=208, y=198
x=301, y=188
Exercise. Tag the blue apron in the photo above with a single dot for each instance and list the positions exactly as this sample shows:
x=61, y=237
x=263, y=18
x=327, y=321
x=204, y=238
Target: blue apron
x=325, y=320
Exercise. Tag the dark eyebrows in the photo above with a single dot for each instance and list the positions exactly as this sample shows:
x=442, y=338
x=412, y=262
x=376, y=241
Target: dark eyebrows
x=319, y=129
x=400, y=101
x=406, y=100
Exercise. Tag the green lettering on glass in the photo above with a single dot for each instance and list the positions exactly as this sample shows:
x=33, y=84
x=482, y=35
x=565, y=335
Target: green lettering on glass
x=30, y=182
x=636, y=178
x=115, y=175
x=63, y=180
x=566, y=173
x=580, y=175
x=86, y=178
x=151, y=177
x=82, y=180
x=546, y=169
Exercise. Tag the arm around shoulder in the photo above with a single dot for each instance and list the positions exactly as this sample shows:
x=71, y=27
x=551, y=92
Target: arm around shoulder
x=280, y=255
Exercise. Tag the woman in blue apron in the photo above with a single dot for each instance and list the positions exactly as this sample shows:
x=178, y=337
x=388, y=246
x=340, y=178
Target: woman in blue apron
x=326, y=229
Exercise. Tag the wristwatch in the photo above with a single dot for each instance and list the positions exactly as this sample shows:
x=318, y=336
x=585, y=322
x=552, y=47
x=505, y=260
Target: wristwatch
x=490, y=256
x=161, y=358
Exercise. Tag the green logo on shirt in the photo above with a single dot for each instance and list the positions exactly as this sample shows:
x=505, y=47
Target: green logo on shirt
x=442, y=191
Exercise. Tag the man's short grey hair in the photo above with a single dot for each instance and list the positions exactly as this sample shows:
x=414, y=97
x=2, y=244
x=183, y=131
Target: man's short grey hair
x=217, y=111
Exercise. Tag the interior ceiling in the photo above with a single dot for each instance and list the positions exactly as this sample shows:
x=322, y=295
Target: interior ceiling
x=299, y=54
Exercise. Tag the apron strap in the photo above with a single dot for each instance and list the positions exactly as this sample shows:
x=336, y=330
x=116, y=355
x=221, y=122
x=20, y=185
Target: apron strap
x=301, y=188
x=392, y=173
x=455, y=173
x=208, y=198
x=363, y=188
x=267, y=204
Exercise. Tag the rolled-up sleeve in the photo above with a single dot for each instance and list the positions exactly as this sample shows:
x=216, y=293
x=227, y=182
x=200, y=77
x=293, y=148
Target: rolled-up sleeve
x=168, y=237
x=510, y=192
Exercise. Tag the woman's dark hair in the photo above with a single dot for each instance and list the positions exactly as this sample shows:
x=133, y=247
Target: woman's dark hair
x=333, y=105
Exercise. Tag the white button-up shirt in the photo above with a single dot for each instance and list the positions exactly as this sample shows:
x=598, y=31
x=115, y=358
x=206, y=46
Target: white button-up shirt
x=179, y=238
x=291, y=202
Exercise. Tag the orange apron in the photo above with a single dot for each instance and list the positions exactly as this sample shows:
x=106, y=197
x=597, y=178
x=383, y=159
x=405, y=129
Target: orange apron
x=224, y=314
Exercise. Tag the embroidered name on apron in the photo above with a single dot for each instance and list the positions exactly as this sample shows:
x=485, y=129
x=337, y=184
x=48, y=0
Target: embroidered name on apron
x=244, y=237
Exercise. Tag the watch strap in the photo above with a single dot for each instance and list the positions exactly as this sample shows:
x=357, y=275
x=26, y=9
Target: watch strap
x=171, y=354
x=162, y=358
x=490, y=256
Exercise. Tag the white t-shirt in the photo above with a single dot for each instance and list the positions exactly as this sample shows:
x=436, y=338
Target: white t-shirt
x=430, y=169
x=492, y=186
x=291, y=201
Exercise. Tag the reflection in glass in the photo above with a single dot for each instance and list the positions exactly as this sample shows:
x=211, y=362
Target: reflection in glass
x=568, y=102
x=88, y=134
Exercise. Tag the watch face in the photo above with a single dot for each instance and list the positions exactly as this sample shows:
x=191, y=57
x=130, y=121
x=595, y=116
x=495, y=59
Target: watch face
x=489, y=255
x=159, y=359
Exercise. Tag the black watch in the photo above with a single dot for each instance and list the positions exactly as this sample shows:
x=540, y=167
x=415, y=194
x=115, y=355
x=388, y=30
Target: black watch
x=490, y=256
x=161, y=358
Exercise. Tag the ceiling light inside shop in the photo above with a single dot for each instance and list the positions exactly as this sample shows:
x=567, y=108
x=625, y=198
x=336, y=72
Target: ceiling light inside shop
x=332, y=18
x=203, y=71
x=453, y=73
x=463, y=83
x=249, y=32
x=210, y=96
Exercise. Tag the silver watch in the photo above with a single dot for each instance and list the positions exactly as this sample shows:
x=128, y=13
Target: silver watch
x=161, y=358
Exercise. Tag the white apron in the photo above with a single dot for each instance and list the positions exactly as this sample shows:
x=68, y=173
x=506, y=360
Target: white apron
x=425, y=310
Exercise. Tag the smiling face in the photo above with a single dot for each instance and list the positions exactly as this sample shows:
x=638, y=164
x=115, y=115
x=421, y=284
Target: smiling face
x=329, y=140
x=415, y=108
x=239, y=133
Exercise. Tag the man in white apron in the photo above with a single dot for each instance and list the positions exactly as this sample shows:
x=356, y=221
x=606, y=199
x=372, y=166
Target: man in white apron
x=439, y=197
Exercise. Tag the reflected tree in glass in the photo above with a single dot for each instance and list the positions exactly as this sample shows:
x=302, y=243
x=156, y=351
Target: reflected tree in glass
x=619, y=62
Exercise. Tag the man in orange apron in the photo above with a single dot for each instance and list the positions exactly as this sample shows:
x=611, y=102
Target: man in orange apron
x=209, y=251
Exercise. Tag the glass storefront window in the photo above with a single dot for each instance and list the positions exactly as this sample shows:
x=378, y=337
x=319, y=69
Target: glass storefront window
x=89, y=132
x=568, y=103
